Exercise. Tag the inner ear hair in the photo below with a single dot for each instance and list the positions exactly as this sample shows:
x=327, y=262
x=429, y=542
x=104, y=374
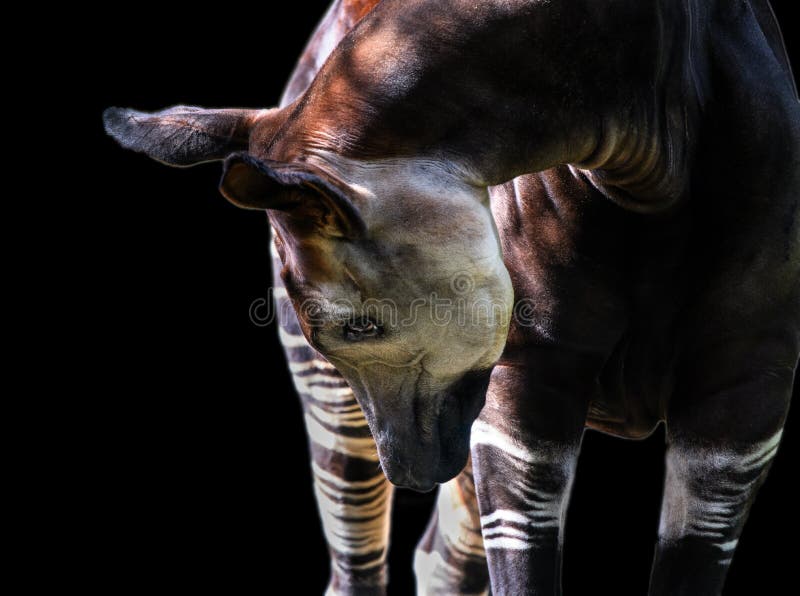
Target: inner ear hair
x=299, y=188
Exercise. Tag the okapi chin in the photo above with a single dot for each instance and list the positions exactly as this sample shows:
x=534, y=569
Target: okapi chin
x=649, y=228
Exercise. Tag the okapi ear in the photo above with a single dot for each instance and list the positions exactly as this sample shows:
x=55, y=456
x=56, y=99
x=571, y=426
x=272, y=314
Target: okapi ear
x=182, y=135
x=301, y=189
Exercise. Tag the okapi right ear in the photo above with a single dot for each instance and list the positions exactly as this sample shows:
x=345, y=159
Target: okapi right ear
x=307, y=192
x=183, y=135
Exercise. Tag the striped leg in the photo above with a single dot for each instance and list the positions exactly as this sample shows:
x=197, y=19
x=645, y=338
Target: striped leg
x=723, y=438
x=450, y=558
x=708, y=494
x=353, y=496
x=524, y=453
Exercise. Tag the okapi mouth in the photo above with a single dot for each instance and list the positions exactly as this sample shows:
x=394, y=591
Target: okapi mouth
x=419, y=460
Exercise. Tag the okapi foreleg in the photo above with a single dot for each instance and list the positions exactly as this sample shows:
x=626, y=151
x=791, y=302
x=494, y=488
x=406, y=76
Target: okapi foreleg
x=524, y=453
x=708, y=494
x=717, y=459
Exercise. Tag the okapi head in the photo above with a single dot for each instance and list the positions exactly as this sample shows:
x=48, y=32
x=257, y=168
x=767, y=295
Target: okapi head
x=394, y=270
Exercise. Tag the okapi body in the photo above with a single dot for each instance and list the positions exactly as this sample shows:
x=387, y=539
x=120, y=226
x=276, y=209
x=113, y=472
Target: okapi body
x=653, y=250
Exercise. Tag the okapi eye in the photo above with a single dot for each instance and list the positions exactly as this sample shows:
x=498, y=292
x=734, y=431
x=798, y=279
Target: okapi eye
x=361, y=329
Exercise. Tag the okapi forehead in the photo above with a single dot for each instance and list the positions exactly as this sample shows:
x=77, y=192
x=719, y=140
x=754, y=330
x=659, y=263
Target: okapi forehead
x=420, y=234
x=413, y=196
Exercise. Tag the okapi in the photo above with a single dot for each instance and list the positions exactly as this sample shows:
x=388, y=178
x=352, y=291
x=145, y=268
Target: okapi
x=654, y=246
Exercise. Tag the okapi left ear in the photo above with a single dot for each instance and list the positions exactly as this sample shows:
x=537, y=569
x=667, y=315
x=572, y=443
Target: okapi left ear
x=183, y=135
x=305, y=191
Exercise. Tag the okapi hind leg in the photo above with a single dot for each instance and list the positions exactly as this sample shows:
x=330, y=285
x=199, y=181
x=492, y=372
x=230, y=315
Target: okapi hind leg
x=720, y=450
x=450, y=558
x=353, y=496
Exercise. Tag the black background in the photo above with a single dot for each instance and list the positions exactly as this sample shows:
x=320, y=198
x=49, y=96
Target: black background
x=198, y=464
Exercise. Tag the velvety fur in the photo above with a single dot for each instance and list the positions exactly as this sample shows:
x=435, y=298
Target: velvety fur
x=657, y=254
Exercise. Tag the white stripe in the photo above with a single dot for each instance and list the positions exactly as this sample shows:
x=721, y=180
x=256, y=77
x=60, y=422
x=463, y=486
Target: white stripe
x=290, y=340
x=347, y=484
x=328, y=395
x=728, y=546
x=323, y=379
x=506, y=543
x=459, y=521
x=313, y=385
x=298, y=367
x=313, y=364
x=483, y=434
x=763, y=453
x=719, y=509
x=280, y=292
x=504, y=515
x=366, y=500
x=363, y=448
x=371, y=506
x=351, y=420
x=703, y=524
x=350, y=537
x=504, y=531
x=538, y=519
x=706, y=534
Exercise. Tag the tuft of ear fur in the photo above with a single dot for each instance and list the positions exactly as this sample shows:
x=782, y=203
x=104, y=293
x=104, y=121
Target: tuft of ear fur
x=182, y=135
x=299, y=188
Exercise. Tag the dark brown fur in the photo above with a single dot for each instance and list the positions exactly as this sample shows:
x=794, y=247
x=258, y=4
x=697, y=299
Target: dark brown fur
x=662, y=267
